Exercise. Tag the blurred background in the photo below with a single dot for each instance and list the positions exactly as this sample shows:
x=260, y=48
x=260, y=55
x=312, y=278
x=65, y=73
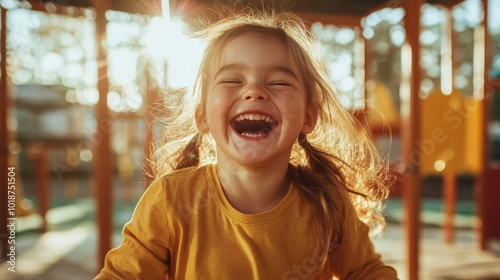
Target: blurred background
x=83, y=84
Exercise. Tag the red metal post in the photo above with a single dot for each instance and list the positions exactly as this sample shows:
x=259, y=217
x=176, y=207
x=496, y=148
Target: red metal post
x=449, y=180
x=4, y=135
x=410, y=124
x=450, y=196
x=491, y=227
x=151, y=102
x=42, y=184
x=103, y=153
x=482, y=184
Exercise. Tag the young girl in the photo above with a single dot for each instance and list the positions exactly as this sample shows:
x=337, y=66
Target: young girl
x=264, y=175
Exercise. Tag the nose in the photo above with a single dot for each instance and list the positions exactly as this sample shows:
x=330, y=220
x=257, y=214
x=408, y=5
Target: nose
x=255, y=92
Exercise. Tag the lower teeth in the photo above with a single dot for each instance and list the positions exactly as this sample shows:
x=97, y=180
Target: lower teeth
x=254, y=135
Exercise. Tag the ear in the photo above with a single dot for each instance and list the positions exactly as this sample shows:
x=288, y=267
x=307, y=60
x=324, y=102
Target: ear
x=310, y=120
x=201, y=122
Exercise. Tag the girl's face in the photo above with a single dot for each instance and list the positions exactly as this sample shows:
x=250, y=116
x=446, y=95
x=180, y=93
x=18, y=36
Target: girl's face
x=256, y=102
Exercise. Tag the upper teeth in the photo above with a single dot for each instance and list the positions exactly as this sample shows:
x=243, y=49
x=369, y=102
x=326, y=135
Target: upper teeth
x=254, y=117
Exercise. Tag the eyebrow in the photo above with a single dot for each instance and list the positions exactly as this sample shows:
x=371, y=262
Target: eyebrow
x=237, y=66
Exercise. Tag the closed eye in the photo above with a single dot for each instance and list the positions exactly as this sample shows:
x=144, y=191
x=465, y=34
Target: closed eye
x=230, y=82
x=280, y=83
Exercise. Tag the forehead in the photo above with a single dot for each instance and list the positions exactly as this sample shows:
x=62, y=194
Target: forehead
x=255, y=49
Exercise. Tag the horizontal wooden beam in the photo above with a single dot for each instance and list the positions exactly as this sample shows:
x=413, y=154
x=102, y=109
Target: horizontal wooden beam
x=333, y=19
x=151, y=7
x=445, y=3
x=495, y=84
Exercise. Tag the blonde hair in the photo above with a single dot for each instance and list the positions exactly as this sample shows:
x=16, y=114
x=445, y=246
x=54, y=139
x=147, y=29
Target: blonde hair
x=335, y=164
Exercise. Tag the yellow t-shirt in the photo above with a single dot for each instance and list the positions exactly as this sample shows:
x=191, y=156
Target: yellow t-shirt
x=184, y=228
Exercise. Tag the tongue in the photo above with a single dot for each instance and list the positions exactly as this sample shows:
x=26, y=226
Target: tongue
x=252, y=127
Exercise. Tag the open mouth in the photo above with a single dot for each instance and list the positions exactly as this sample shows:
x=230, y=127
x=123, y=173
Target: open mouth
x=253, y=125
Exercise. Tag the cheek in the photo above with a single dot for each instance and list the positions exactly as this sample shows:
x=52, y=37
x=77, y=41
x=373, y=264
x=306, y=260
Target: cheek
x=217, y=99
x=292, y=109
x=217, y=107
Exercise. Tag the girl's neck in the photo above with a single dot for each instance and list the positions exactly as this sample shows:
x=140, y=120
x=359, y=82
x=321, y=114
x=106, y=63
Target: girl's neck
x=253, y=190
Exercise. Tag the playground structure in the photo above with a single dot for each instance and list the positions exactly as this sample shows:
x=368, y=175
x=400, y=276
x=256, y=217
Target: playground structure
x=445, y=133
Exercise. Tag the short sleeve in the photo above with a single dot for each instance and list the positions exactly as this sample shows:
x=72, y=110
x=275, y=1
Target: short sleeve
x=144, y=251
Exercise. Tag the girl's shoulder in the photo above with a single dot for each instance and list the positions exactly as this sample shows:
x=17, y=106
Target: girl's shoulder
x=185, y=180
x=184, y=192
